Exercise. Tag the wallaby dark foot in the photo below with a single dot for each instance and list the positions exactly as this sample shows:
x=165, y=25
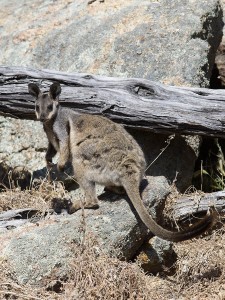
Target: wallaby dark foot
x=76, y=205
x=115, y=189
x=60, y=167
x=91, y=204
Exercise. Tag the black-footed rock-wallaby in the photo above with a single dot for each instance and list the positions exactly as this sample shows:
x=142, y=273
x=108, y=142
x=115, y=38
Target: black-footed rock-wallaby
x=101, y=152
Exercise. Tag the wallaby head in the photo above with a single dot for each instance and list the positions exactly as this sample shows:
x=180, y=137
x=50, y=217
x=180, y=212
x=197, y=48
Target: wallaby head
x=46, y=104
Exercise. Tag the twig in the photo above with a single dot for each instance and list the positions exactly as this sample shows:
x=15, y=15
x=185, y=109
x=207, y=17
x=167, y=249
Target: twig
x=83, y=229
x=171, y=137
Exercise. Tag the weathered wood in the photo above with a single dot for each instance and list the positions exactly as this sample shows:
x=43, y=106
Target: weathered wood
x=188, y=205
x=138, y=103
x=17, y=217
x=23, y=213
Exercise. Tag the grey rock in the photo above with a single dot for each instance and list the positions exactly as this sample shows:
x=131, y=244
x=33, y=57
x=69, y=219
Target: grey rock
x=173, y=42
x=156, y=255
x=35, y=252
x=176, y=163
x=219, y=79
x=169, y=41
x=22, y=143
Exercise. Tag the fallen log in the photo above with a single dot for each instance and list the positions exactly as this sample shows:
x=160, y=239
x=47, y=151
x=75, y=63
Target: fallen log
x=133, y=102
x=22, y=213
x=199, y=203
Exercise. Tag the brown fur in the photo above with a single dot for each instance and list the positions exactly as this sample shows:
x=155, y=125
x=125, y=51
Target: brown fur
x=101, y=152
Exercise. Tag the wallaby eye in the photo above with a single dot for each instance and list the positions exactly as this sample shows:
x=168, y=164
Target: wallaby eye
x=50, y=107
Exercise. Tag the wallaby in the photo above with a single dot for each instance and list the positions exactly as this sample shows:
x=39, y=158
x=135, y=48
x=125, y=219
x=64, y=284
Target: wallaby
x=101, y=152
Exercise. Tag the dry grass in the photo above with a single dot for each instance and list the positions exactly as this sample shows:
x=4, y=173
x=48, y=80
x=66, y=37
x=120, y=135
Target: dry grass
x=200, y=274
x=201, y=266
x=93, y=275
x=199, y=271
x=39, y=197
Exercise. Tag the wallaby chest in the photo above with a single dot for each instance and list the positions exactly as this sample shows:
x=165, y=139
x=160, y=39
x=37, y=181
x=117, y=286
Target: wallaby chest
x=52, y=135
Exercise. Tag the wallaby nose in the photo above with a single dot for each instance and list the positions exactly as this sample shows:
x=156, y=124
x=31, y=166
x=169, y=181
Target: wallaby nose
x=42, y=118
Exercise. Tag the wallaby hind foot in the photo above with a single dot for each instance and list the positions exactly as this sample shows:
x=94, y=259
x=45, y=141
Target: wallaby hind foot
x=90, y=197
x=115, y=189
x=79, y=204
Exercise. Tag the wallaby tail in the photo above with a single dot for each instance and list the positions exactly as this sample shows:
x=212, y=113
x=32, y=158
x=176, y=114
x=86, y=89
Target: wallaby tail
x=195, y=230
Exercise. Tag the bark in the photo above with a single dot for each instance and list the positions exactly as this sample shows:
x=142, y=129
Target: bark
x=133, y=102
x=17, y=217
x=190, y=205
x=23, y=213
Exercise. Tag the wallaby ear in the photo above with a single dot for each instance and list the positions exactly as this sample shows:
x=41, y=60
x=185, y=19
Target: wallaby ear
x=55, y=90
x=33, y=89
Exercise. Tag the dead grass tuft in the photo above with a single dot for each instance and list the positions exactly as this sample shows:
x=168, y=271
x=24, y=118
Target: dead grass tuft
x=38, y=197
x=200, y=266
x=95, y=275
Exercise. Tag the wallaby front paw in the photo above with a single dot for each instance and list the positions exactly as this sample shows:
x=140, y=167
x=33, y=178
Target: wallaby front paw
x=60, y=167
x=49, y=164
x=91, y=205
x=74, y=206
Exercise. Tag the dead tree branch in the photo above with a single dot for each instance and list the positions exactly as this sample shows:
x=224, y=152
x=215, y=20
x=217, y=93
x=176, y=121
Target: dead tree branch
x=133, y=102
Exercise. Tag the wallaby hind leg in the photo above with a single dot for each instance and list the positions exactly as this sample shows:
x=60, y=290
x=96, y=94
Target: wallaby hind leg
x=91, y=200
x=90, y=197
